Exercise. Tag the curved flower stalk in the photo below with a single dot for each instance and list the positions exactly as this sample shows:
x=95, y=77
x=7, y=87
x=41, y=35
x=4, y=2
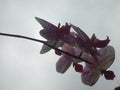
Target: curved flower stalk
x=91, y=73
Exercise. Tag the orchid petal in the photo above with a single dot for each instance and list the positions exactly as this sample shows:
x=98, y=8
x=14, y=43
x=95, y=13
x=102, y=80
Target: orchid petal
x=49, y=35
x=99, y=43
x=63, y=64
x=107, y=56
x=65, y=29
x=46, y=48
x=68, y=49
x=90, y=76
x=46, y=25
x=81, y=34
x=69, y=39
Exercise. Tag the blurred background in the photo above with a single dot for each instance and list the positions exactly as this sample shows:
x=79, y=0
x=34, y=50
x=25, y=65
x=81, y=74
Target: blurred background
x=22, y=67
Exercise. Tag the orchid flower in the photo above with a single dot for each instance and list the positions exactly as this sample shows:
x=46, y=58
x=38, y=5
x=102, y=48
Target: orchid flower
x=92, y=72
x=75, y=44
x=65, y=61
x=56, y=36
x=89, y=45
x=76, y=47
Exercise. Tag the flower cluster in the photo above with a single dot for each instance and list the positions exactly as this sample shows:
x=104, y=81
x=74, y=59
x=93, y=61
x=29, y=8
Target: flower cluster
x=75, y=42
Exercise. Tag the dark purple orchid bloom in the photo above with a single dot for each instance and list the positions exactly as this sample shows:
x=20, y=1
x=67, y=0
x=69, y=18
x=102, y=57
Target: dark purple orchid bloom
x=89, y=45
x=92, y=72
x=55, y=35
x=75, y=43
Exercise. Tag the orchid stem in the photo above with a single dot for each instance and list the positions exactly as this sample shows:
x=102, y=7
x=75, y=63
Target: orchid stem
x=37, y=40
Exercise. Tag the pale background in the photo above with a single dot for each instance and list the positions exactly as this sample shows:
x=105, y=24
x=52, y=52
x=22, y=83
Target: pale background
x=21, y=65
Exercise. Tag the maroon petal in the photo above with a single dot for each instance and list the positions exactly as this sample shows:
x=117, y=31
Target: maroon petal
x=90, y=75
x=58, y=52
x=65, y=29
x=99, y=43
x=65, y=35
x=78, y=67
x=109, y=75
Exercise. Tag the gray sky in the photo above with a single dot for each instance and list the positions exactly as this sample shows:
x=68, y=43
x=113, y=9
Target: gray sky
x=21, y=65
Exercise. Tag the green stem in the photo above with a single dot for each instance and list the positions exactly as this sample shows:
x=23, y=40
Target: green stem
x=37, y=40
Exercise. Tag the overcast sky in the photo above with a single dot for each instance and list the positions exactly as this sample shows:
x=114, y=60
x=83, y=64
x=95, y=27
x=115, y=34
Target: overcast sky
x=21, y=65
